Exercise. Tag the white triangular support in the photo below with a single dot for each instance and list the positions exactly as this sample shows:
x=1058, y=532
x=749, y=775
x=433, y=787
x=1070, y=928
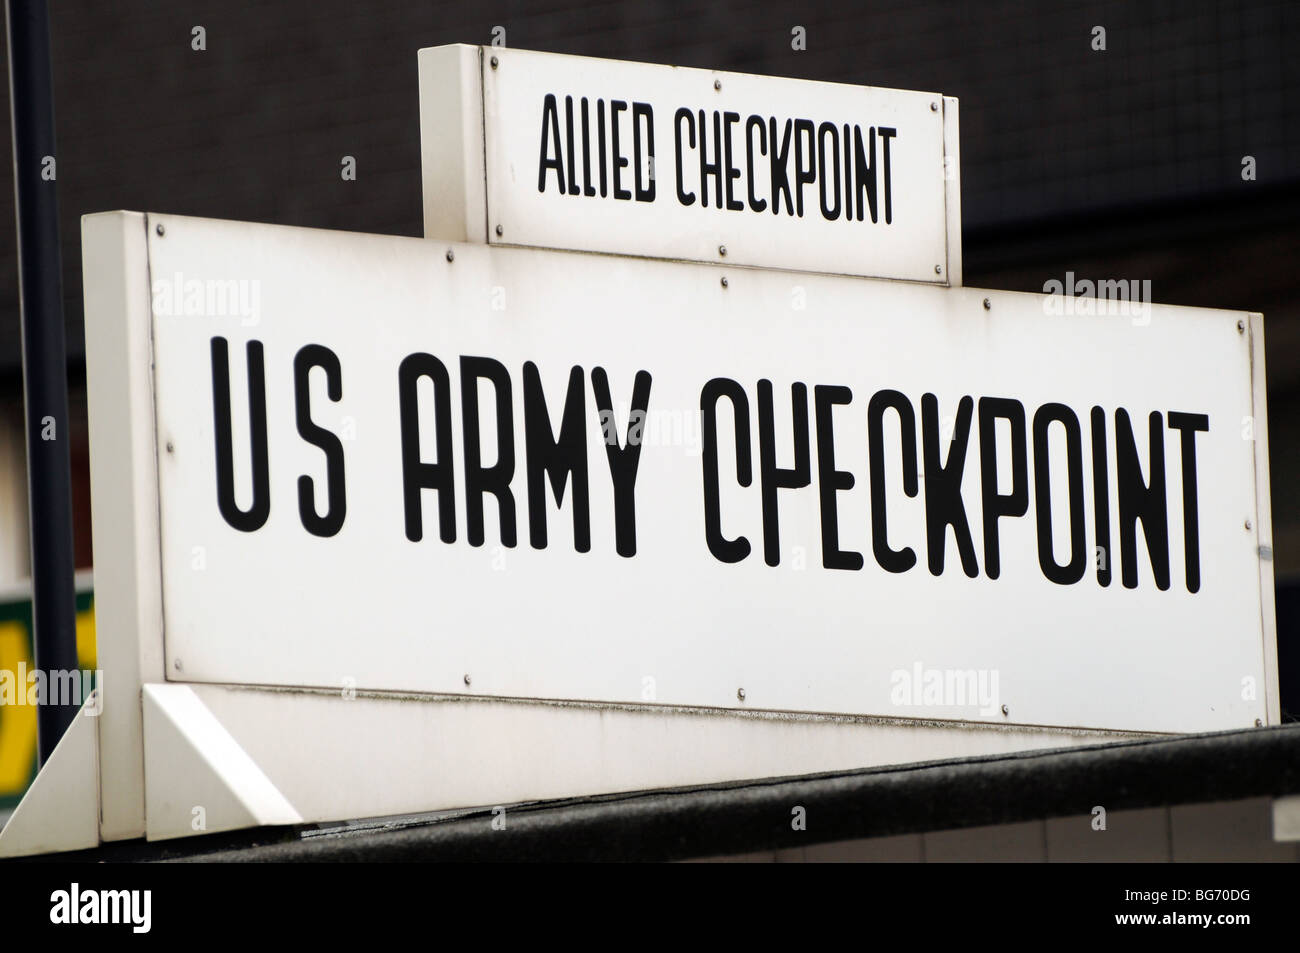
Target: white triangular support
x=198, y=778
x=61, y=808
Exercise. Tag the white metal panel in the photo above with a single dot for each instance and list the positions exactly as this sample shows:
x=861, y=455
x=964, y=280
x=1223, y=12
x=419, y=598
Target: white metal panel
x=1263, y=521
x=334, y=757
x=451, y=143
x=952, y=186
x=61, y=809
x=577, y=204
x=198, y=779
x=372, y=609
x=124, y=501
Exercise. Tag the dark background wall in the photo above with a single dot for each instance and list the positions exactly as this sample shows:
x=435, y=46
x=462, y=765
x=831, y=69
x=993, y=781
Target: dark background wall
x=1123, y=164
x=1052, y=130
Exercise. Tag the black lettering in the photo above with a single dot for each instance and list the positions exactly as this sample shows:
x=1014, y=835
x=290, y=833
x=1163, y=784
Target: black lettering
x=943, y=501
x=550, y=112
x=1101, y=496
x=1141, y=501
x=829, y=212
x=723, y=549
x=252, y=519
x=848, y=174
x=570, y=151
x=1072, y=571
x=774, y=477
x=600, y=145
x=891, y=560
x=864, y=169
x=416, y=474
x=623, y=460
x=995, y=504
x=639, y=110
x=617, y=106
x=729, y=120
x=752, y=123
x=830, y=480
x=886, y=134
x=587, y=188
x=1189, y=425
x=780, y=175
x=316, y=355
x=496, y=478
x=713, y=168
x=556, y=459
x=803, y=128
x=686, y=198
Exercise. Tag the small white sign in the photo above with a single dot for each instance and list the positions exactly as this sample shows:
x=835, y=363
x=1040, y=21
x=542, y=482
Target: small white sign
x=660, y=161
x=524, y=473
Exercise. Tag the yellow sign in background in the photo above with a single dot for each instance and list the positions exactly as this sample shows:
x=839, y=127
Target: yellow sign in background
x=18, y=719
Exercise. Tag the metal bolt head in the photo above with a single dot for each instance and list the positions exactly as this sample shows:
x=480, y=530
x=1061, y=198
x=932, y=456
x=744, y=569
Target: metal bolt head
x=466, y=679
x=171, y=448
x=724, y=281
x=494, y=62
x=722, y=250
x=1259, y=723
x=1241, y=325
x=1249, y=524
x=451, y=255
x=717, y=84
x=160, y=230
x=988, y=305
x=500, y=230
x=1006, y=710
x=740, y=694
x=177, y=665
x=934, y=107
x=938, y=269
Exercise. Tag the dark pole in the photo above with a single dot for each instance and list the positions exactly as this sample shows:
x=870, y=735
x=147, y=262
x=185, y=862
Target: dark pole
x=45, y=369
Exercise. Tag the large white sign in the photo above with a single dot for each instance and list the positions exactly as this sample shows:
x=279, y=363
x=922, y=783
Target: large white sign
x=577, y=153
x=394, y=464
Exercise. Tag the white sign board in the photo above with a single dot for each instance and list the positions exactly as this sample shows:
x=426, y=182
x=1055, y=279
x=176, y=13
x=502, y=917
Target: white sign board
x=524, y=473
x=572, y=152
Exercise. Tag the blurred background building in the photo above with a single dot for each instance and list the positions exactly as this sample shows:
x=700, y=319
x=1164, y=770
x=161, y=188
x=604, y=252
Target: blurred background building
x=1164, y=146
